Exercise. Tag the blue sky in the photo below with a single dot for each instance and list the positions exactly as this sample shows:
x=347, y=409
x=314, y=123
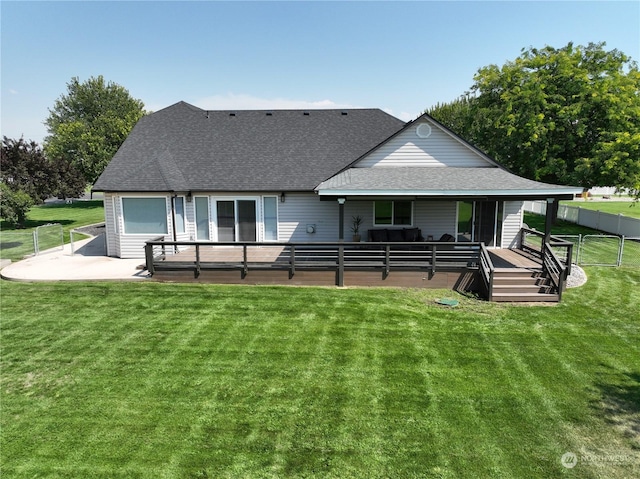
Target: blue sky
x=402, y=57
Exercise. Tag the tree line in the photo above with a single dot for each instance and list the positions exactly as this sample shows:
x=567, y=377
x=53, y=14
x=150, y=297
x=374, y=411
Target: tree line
x=86, y=126
x=567, y=116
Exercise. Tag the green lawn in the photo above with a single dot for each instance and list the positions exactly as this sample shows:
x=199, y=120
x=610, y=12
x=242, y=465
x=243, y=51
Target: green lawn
x=151, y=380
x=16, y=243
x=626, y=208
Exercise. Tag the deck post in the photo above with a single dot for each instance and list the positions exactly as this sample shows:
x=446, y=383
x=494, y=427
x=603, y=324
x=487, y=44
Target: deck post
x=292, y=261
x=245, y=268
x=197, y=271
x=433, y=259
x=341, y=264
x=387, y=260
x=148, y=254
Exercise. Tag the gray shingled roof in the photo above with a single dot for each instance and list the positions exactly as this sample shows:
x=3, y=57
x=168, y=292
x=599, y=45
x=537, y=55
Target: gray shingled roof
x=437, y=181
x=183, y=147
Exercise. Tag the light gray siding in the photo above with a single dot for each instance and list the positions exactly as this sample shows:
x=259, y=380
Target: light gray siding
x=408, y=149
x=302, y=209
x=437, y=218
x=512, y=223
x=111, y=233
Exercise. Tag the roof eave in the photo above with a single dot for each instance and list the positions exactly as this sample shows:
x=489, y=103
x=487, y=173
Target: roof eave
x=561, y=193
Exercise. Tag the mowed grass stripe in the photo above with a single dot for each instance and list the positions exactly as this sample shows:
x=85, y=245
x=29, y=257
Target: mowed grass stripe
x=186, y=381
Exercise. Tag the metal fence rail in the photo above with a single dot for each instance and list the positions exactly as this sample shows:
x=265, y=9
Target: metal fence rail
x=19, y=244
x=48, y=238
x=600, y=250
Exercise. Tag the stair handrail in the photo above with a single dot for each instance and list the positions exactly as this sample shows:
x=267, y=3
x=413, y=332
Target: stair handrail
x=487, y=270
x=554, y=268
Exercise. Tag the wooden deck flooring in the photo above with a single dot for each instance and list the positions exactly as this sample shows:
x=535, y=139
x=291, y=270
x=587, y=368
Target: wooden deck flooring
x=230, y=254
x=512, y=259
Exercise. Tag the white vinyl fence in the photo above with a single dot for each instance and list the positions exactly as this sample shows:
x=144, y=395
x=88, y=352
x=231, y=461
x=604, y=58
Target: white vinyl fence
x=620, y=225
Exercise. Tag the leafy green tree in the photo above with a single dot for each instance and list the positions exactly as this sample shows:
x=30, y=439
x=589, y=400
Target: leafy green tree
x=88, y=124
x=456, y=116
x=14, y=205
x=568, y=116
x=24, y=167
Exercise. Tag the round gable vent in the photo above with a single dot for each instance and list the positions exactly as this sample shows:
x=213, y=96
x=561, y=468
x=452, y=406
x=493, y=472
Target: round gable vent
x=423, y=130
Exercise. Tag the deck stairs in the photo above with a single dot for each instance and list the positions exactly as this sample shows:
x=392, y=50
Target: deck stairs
x=521, y=279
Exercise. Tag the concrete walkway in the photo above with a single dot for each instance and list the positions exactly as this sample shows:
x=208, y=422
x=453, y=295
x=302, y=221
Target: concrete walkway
x=89, y=263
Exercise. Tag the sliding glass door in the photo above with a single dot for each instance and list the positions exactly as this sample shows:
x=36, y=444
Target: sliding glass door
x=236, y=220
x=480, y=221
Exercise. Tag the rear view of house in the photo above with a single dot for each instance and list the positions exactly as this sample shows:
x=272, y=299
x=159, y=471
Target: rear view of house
x=286, y=176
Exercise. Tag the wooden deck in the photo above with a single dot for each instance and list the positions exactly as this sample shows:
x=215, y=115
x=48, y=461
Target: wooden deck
x=516, y=275
x=444, y=265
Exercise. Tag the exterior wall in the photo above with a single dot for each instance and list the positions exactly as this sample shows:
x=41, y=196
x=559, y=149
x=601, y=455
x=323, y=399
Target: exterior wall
x=123, y=245
x=295, y=214
x=112, y=240
x=132, y=245
x=438, y=150
x=512, y=223
x=302, y=209
x=434, y=218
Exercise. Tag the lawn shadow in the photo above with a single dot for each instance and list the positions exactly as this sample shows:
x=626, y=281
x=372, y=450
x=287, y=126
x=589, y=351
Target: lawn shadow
x=30, y=224
x=620, y=404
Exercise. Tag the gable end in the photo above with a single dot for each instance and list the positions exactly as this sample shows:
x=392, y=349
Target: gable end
x=425, y=143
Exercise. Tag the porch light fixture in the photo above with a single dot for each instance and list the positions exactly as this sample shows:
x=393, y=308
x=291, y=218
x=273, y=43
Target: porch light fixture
x=341, y=201
x=282, y=197
x=189, y=197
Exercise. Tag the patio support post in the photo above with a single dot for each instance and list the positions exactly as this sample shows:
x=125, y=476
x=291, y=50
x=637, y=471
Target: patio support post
x=549, y=219
x=340, y=279
x=341, y=202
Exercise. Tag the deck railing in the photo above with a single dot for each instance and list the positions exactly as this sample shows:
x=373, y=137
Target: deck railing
x=338, y=256
x=531, y=242
x=555, y=256
x=487, y=270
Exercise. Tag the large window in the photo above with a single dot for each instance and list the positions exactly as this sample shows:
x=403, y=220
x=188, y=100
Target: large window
x=396, y=213
x=145, y=215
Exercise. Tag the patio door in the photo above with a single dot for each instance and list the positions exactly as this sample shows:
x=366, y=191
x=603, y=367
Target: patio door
x=236, y=220
x=481, y=221
x=485, y=222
